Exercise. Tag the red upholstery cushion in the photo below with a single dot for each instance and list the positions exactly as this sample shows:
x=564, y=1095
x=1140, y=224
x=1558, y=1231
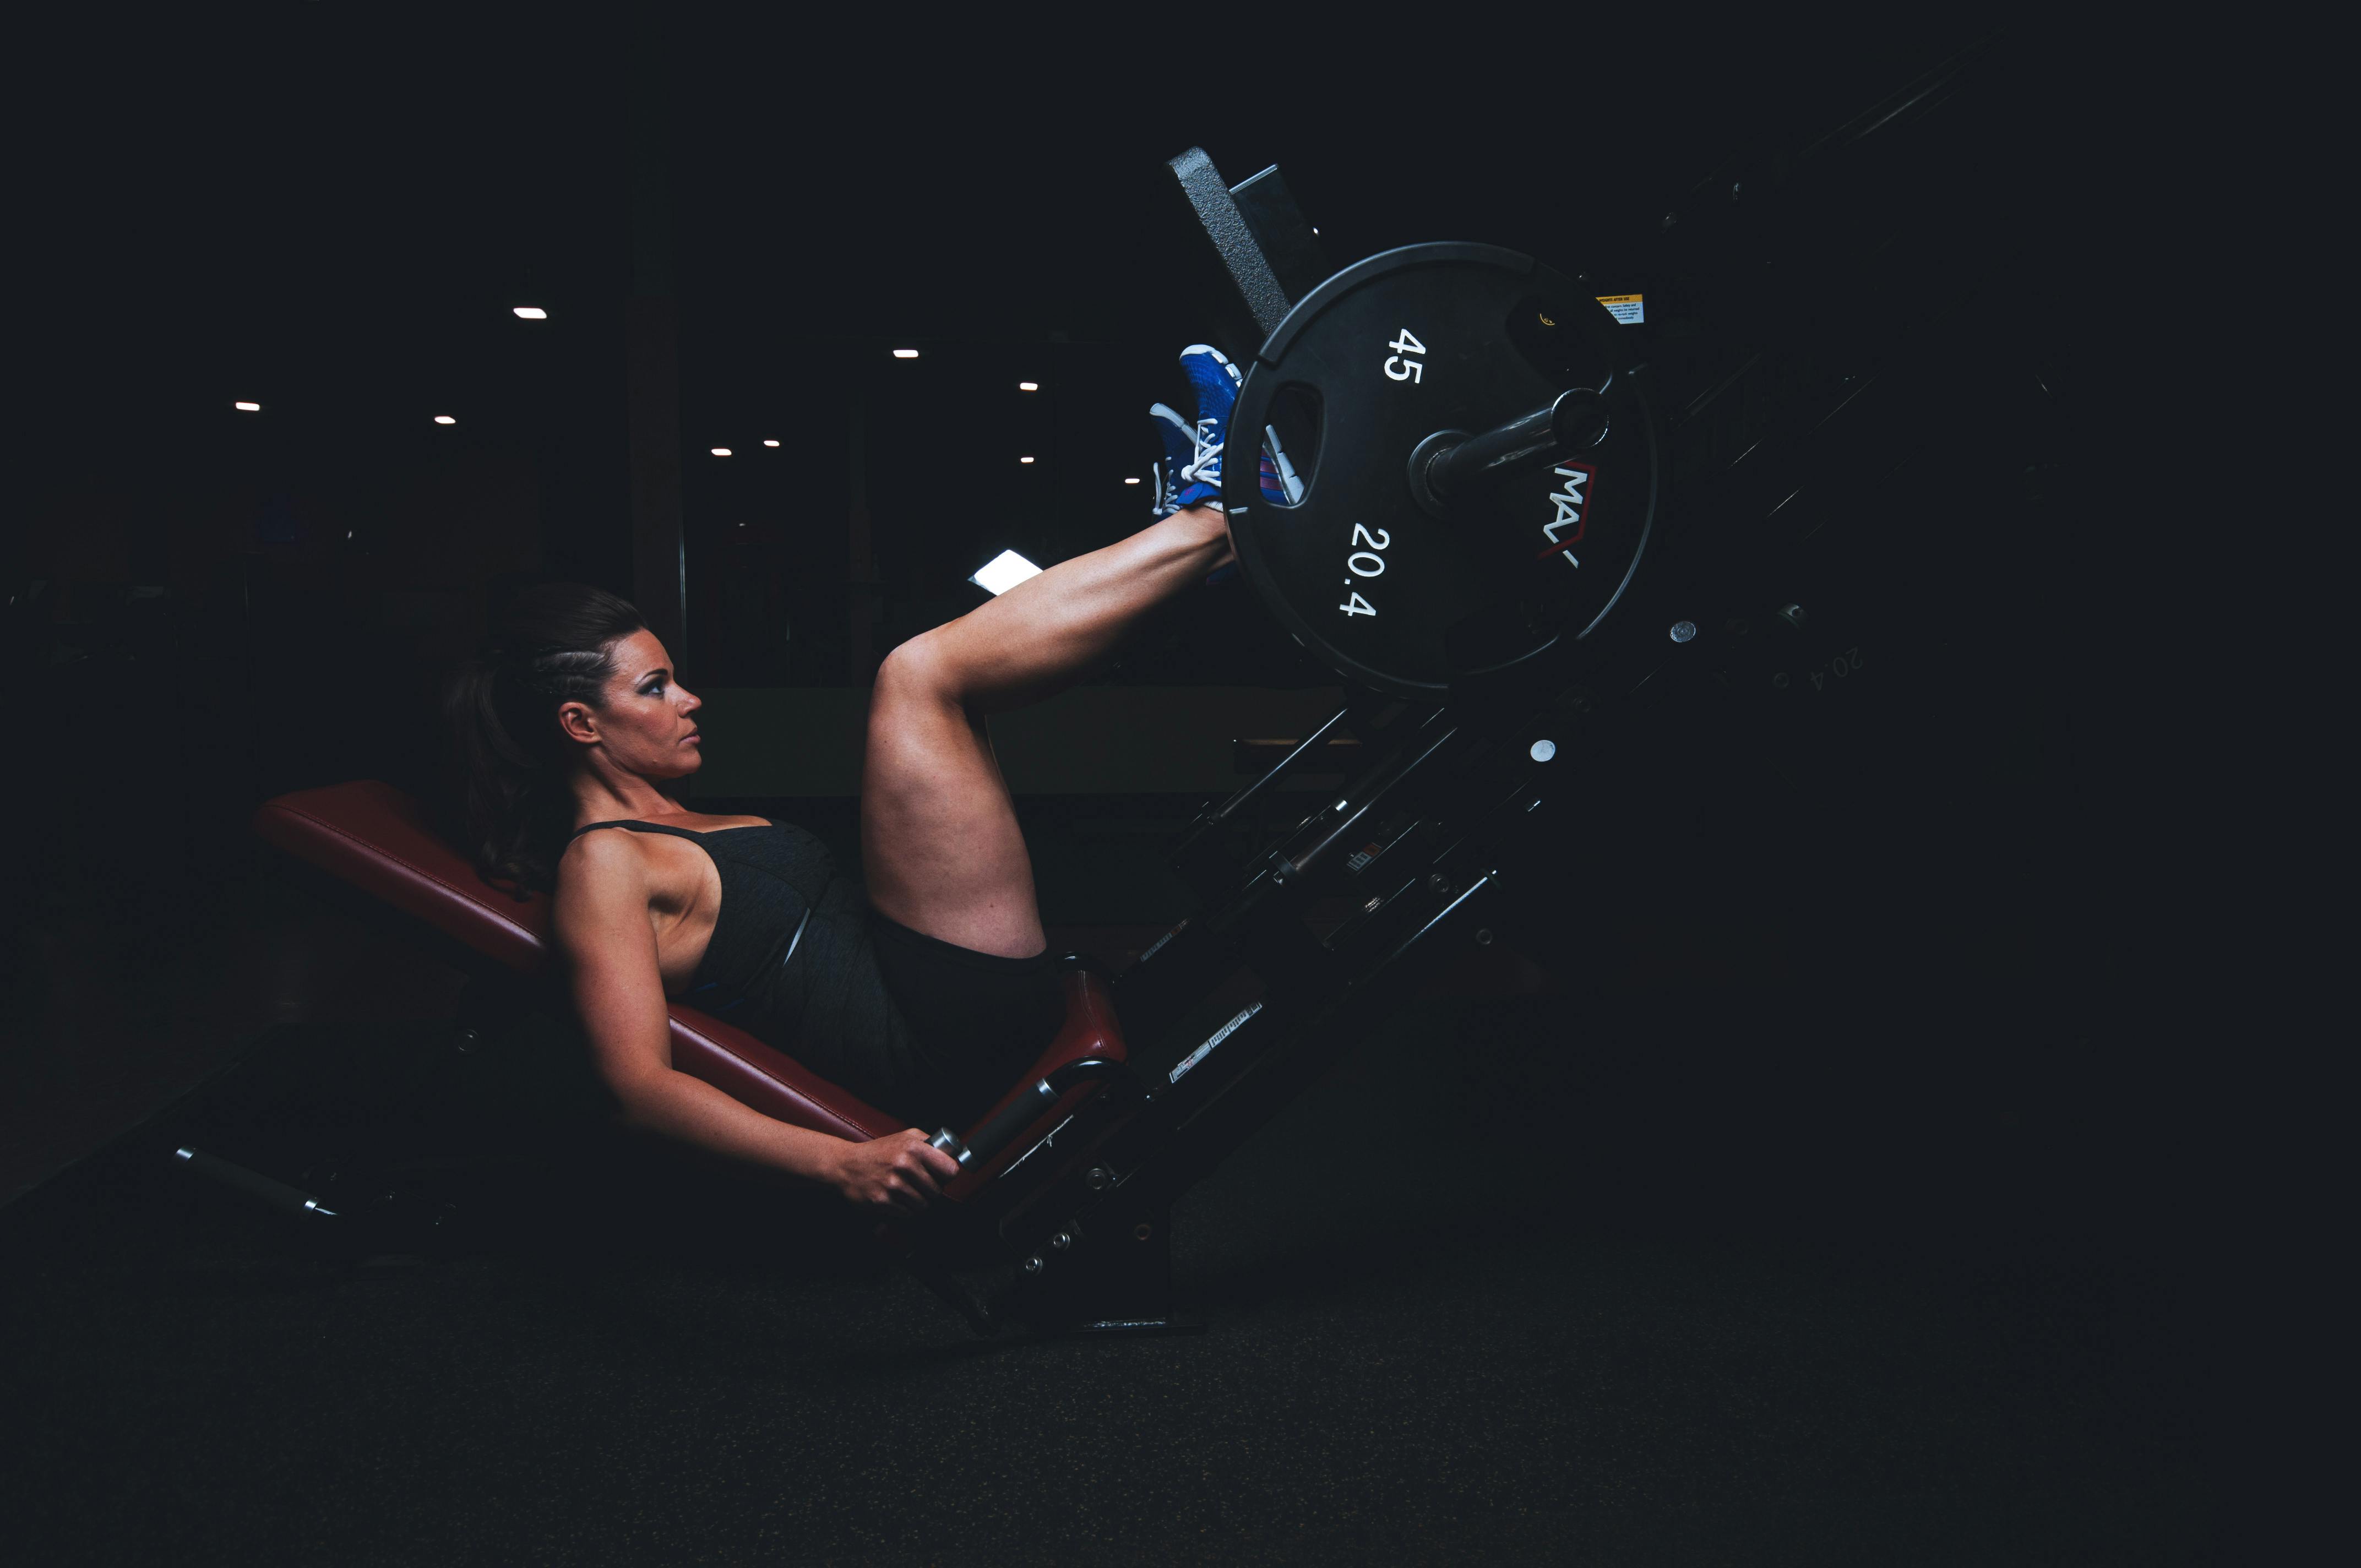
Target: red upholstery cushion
x=373, y=836
x=376, y=838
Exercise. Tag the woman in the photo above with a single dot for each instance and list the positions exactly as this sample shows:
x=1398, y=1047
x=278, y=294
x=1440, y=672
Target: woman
x=927, y=991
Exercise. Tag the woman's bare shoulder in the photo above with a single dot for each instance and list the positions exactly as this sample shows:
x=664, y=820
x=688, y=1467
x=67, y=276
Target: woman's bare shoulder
x=658, y=871
x=605, y=848
x=600, y=866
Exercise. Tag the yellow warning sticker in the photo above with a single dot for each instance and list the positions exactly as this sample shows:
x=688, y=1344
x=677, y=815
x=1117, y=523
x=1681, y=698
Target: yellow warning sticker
x=1624, y=308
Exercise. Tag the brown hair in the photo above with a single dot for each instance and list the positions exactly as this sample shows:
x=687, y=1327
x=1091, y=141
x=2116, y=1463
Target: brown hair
x=551, y=644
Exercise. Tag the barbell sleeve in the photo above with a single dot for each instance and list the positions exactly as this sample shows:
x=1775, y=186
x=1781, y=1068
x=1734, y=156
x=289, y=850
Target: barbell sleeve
x=1576, y=422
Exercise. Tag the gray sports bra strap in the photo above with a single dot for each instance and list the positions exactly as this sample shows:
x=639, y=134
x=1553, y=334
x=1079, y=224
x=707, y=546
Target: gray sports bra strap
x=634, y=827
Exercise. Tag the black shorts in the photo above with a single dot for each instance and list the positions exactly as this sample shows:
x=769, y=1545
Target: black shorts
x=975, y=1021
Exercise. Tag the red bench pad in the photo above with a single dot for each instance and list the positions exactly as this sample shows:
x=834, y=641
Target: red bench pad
x=376, y=838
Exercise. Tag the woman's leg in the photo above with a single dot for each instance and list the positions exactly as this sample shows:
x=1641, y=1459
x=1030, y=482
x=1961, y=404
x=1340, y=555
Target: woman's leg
x=939, y=843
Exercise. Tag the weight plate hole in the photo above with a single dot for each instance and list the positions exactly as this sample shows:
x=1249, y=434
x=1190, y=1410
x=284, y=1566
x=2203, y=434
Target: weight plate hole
x=1291, y=439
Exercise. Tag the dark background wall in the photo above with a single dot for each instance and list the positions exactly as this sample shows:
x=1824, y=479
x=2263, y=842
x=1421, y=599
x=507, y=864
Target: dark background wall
x=334, y=217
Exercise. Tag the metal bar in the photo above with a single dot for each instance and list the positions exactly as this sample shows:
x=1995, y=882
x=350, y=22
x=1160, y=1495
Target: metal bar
x=1575, y=422
x=1376, y=796
x=1888, y=109
x=1289, y=241
x=1278, y=770
x=1248, y=298
x=278, y=1194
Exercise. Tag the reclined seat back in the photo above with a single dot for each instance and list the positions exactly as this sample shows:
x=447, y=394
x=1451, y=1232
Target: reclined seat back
x=377, y=838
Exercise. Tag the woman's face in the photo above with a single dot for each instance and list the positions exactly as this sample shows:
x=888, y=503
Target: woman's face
x=644, y=724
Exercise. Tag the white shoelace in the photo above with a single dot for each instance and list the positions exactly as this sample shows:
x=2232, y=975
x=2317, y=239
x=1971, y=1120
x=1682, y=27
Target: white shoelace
x=1207, y=452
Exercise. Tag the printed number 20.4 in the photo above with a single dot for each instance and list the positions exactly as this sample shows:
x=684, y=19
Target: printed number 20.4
x=1365, y=562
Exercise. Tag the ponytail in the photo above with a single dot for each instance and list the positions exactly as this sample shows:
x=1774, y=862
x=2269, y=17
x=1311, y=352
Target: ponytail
x=553, y=644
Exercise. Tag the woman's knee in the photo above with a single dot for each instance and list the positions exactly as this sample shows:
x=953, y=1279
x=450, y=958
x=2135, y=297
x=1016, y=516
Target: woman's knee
x=919, y=699
x=917, y=671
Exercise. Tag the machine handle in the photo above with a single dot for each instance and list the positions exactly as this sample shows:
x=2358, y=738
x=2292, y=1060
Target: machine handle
x=1008, y=1124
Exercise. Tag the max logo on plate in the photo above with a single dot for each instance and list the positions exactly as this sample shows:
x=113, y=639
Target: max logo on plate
x=1571, y=501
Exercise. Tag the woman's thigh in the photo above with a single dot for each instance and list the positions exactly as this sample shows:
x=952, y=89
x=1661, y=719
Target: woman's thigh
x=940, y=844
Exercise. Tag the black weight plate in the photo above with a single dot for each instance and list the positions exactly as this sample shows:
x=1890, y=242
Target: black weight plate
x=1388, y=594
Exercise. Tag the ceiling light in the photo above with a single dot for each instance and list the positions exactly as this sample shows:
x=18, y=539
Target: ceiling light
x=444, y=419
x=1028, y=385
x=1025, y=460
x=1004, y=572
x=770, y=443
x=906, y=353
x=250, y=407
x=531, y=313
x=1131, y=481
x=721, y=451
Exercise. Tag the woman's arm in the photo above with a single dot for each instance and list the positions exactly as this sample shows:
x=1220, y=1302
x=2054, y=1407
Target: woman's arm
x=609, y=943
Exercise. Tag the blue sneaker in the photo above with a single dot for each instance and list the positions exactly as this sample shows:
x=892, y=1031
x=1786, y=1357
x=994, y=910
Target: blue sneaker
x=1180, y=450
x=1216, y=383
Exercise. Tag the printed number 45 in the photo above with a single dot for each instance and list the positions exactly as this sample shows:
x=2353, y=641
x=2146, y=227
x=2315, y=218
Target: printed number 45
x=1400, y=368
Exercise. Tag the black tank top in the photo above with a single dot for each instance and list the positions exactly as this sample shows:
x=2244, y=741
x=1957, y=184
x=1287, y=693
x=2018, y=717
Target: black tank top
x=792, y=961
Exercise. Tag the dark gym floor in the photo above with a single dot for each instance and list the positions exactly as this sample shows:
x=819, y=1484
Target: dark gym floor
x=1831, y=1209
x=1635, y=1287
